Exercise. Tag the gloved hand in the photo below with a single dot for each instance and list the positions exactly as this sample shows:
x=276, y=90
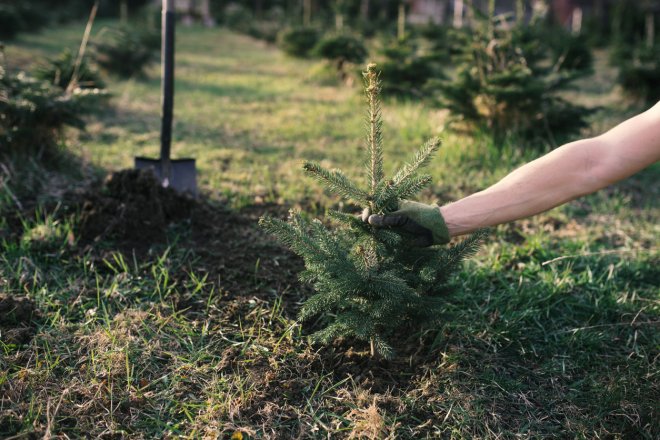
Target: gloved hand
x=422, y=221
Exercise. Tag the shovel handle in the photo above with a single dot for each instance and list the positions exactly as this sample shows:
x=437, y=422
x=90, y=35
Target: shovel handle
x=167, y=84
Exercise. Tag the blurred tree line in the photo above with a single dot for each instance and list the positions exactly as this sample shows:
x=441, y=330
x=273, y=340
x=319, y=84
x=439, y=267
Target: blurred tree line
x=32, y=15
x=512, y=61
x=604, y=22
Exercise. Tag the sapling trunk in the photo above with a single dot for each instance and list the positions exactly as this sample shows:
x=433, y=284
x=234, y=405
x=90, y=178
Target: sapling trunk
x=491, y=18
x=401, y=22
x=123, y=11
x=520, y=11
x=339, y=15
x=469, y=12
x=258, y=9
x=375, y=133
x=364, y=10
x=650, y=29
x=307, y=12
x=339, y=21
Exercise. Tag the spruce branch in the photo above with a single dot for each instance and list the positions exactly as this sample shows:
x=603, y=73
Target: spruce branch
x=309, y=275
x=290, y=235
x=389, y=193
x=332, y=331
x=389, y=285
x=378, y=345
x=317, y=304
x=337, y=182
x=385, y=199
x=412, y=186
x=419, y=160
x=465, y=249
x=359, y=322
x=469, y=246
x=388, y=237
x=348, y=220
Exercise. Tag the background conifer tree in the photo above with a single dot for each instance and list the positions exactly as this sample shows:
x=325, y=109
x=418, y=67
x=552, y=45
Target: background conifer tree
x=370, y=282
x=510, y=78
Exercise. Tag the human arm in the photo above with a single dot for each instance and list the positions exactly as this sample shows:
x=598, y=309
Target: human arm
x=571, y=171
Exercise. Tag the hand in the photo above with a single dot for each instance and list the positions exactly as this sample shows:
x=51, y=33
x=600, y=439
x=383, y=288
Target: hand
x=422, y=221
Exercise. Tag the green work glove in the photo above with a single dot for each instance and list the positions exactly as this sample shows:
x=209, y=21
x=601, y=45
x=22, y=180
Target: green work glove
x=422, y=221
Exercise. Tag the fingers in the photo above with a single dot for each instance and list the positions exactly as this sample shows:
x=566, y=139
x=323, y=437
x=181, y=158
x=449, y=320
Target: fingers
x=388, y=220
x=422, y=236
x=366, y=213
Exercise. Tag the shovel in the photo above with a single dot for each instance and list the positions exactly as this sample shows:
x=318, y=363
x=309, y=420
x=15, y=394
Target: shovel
x=179, y=174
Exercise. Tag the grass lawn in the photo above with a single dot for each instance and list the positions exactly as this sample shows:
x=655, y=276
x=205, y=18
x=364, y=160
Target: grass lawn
x=551, y=331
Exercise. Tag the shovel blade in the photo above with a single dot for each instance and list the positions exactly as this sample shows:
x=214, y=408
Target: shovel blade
x=183, y=174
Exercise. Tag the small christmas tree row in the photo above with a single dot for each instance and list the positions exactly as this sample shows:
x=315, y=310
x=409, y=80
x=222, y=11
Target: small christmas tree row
x=370, y=282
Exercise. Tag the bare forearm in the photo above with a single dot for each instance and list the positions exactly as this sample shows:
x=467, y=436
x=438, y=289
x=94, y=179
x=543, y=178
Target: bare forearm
x=535, y=187
x=566, y=173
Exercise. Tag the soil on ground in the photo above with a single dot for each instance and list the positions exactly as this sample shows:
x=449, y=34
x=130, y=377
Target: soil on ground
x=131, y=212
x=16, y=319
x=132, y=207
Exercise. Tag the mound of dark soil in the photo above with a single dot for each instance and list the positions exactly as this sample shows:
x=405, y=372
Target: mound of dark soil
x=131, y=211
x=16, y=313
x=133, y=207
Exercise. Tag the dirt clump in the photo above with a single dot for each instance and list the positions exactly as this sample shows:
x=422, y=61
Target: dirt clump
x=16, y=319
x=132, y=206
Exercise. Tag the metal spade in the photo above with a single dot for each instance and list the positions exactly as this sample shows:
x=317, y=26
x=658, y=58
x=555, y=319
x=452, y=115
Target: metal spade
x=179, y=174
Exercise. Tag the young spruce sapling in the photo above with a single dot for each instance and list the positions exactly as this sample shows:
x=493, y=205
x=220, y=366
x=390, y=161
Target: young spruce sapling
x=370, y=282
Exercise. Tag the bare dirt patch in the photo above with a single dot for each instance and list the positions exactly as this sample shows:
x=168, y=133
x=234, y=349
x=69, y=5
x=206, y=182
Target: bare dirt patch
x=244, y=258
x=16, y=319
x=131, y=207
